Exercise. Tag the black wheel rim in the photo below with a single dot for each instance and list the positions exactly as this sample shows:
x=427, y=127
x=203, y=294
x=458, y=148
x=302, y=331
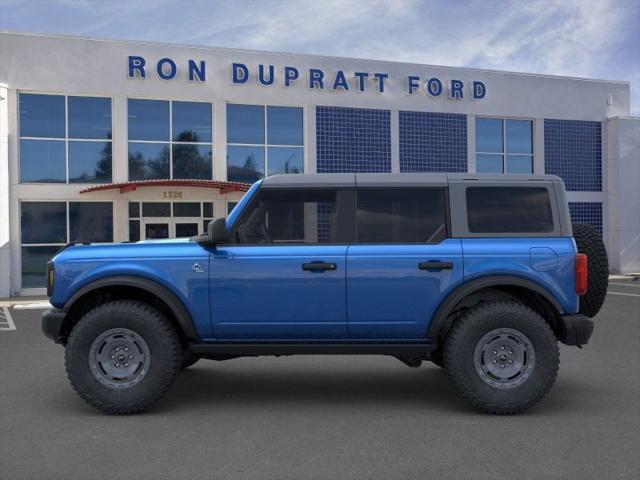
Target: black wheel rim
x=119, y=358
x=504, y=358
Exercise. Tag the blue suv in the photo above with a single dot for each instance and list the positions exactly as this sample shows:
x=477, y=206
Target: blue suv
x=478, y=274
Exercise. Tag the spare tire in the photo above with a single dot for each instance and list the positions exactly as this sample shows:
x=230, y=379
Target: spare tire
x=589, y=242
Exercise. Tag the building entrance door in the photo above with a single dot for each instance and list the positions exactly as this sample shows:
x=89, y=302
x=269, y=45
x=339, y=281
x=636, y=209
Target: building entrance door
x=159, y=227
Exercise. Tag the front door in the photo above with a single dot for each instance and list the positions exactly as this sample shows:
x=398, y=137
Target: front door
x=159, y=228
x=402, y=263
x=284, y=276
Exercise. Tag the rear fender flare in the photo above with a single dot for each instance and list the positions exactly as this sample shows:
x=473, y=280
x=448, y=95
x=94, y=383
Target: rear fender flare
x=441, y=322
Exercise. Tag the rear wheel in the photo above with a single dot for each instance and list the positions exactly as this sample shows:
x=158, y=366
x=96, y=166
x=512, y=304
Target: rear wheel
x=588, y=241
x=122, y=356
x=502, y=357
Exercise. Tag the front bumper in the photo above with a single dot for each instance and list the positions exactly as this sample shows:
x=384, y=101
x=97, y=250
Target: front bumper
x=577, y=329
x=52, y=321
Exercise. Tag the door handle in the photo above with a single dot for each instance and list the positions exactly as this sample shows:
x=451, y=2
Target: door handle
x=434, y=265
x=318, y=266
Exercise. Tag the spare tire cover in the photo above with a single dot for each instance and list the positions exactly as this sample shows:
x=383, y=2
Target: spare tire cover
x=588, y=241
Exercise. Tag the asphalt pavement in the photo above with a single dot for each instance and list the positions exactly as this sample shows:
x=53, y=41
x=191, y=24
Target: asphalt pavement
x=360, y=417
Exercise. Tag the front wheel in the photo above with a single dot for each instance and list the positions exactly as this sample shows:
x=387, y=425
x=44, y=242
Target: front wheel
x=122, y=356
x=502, y=357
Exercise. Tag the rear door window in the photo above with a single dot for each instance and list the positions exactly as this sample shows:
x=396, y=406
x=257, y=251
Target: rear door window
x=509, y=210
x=401, y=215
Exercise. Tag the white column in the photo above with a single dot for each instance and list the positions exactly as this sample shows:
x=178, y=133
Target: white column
x=395, y=141
x=471, y=143
x=120, y=155
x=5, y=243
x=538, y=146
x=220, y=141
x=311, y=162
x=623, y=201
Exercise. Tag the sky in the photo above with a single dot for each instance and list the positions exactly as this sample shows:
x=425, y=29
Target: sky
x=578, y=38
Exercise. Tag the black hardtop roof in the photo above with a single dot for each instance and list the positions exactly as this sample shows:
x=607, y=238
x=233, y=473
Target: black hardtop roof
x=320, y=180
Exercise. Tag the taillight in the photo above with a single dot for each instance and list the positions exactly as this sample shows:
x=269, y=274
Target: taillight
x=582, y=275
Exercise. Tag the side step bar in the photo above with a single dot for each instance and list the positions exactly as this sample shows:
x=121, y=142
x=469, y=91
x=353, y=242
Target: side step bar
x=258, y=349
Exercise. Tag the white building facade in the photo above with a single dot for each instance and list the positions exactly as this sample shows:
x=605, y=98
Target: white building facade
x=114, y=141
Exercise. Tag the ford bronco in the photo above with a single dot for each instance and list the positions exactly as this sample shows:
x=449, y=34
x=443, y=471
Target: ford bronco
x=481, y=275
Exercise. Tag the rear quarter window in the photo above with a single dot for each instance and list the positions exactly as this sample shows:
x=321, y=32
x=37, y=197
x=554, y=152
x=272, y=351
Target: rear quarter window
x=509, y=210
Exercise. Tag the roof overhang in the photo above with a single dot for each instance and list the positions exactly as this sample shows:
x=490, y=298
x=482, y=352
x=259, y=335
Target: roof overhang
x=124, y=187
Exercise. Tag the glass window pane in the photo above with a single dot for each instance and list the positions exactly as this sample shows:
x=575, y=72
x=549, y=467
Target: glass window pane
x=207, y=209
x=43, y=222
x=186, y=209
x=91, y=221
x=488, y=163
x=509, y=210
x=231, y=206
x=148, y=120
x=401, y=216
x=305, y=216
x=41, y=115
x=285, y=160
x=191, y=122
x=148, y=160
x=156, y=209
x=489, y=135
x=284, y=126
x=192, y=161
x=156, y=230
x=89, y=162
x=134, y=210
x=42, y=161
x=186, y=230
x=34, y=265
x=245, y=164
x=205, y=226
x=519, y=164
x=134, y=230
x=89, y=117
x=245, y=124
x=519, y=136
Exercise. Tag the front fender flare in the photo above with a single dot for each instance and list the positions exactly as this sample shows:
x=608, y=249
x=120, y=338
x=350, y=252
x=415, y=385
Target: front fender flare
x=441, y=322
x=176, y=306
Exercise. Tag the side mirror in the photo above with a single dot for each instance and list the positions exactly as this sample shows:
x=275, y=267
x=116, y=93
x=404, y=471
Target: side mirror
x=217, y=231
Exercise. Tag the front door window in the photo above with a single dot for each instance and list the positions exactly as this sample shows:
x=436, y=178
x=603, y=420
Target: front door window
x=156, y=230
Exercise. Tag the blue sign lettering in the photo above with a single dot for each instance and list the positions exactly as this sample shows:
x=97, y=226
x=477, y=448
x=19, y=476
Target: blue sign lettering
x=136, y=64
x=340, y=81
x=196, y=71
x=240, y=73
x=381, y=77
x=362, y=77
x=290, y=74
x=412, y=84
x=479, y=90
x=455, y=89
x=316, y=77
x=261, y=79
x=164, y=73
x=433, y=87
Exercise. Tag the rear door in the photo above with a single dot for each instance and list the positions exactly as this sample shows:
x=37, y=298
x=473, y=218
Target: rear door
x=401, y=264
x=285, y=277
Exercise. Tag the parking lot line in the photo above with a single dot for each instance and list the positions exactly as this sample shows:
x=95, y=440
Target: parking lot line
x=6, y=322
x=625, y=284
x=624, y=294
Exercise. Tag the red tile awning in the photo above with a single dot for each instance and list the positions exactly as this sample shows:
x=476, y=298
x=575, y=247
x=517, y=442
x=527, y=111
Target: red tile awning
x=224, y=187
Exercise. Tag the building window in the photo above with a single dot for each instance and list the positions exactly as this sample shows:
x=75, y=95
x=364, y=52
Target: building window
x=65, y=139
x=504, y=145
x=47, y=226
x=263, y=141
x=170, y=139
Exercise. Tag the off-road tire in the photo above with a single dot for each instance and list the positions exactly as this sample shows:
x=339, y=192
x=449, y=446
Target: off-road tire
x=589, y=241
x=165, y=356
x=188, y=359
x=468, y=331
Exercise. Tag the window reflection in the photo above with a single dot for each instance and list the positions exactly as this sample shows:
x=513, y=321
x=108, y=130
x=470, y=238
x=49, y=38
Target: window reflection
x=89, y=117
x=148, y=161
x=41, y=115
x=42, y=161
x=89, y=162
x=191, y=122
x=285, y=160
x=192, y=161
x=91, y=221
x=245, y=164
x=504, y=145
